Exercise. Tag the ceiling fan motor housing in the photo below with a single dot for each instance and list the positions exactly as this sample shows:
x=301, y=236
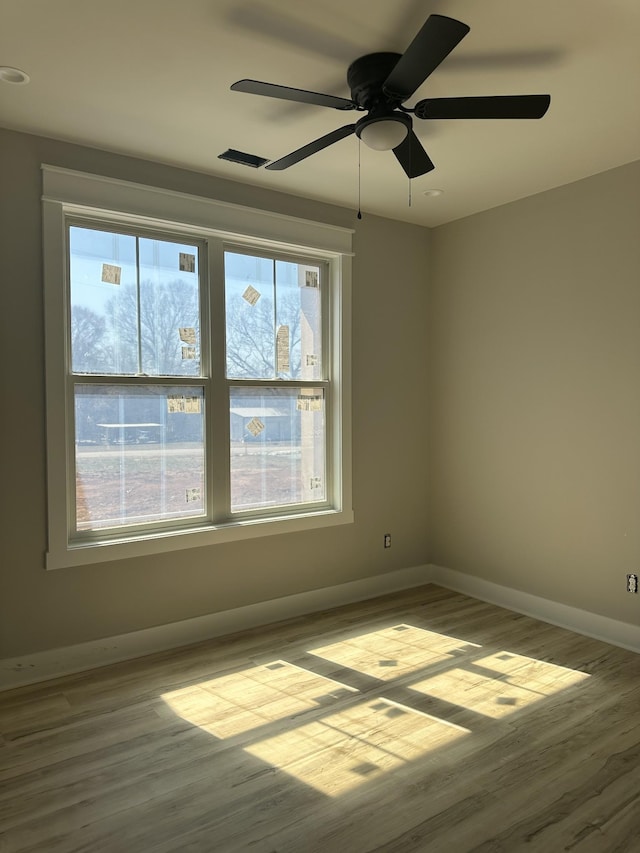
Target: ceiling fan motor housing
x=366, y=76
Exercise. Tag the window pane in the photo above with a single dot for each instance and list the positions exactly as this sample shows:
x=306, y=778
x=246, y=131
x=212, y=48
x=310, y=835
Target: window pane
x=116, y=329
x=104, y=310
x=139, y=455
x=262, y=344
x=249, y=306
x=169, y=308
x=278, y=453
x=298, y=321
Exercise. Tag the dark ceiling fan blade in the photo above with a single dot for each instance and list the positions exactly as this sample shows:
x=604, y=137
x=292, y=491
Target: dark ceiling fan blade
x=435, y=41
x=496, y=106
x=286, y=93
x=312, y=148
x=412, y=156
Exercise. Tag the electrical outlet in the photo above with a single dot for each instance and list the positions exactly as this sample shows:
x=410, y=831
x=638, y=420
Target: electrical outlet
x=632, y=583
x=387, y=540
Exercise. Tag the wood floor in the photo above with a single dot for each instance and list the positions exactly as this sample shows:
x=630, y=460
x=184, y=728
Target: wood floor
x=423, y=720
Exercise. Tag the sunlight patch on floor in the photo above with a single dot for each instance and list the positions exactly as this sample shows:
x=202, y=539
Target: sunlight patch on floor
x=393, y=652
x=356, y=744
x=499, y=684
x=233, y=704
x=325, y=734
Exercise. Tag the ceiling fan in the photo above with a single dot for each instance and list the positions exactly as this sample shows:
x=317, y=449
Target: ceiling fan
x=380, y=83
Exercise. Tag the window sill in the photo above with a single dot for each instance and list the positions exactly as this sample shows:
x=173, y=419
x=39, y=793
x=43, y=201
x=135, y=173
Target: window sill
x=88, y=553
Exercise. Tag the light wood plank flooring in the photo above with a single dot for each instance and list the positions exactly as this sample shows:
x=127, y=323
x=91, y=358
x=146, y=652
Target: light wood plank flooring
x=423, y=720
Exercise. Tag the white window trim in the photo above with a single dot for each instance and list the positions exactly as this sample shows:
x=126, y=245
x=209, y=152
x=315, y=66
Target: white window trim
x=68, y=192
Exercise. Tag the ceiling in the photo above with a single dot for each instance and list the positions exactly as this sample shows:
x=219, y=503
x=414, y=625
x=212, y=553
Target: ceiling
x=151, y=78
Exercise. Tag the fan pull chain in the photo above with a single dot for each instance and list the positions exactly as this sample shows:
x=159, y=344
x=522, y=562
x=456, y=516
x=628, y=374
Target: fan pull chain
x=359, y=182
x=410, y=172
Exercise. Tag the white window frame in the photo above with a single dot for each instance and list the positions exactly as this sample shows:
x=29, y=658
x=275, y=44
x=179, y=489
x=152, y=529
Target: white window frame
x=69, y=194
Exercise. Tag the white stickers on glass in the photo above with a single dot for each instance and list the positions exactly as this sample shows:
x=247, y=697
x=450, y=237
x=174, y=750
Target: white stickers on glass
x=255, y=427
x=177, y=403
x=251, y=295
x=187, y=262
x=282, y=349
x=311, y=278
x=193, y=495
x=111, y=274
x=189, y=353
x=187, y=335
x=309, y=403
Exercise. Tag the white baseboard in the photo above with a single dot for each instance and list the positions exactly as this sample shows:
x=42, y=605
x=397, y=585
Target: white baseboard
x=612, y=631
x=41, y=666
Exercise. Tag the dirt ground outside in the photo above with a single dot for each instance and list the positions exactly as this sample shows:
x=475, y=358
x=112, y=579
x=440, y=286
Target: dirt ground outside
x=116, y=485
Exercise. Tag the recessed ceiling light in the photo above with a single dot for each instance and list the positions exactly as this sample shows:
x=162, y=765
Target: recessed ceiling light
x=432, y=193
x=13, y=75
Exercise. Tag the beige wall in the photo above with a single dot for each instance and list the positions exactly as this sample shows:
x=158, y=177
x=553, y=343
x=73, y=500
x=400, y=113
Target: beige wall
x=534, y=365
x=40, y=609
x=518, y=326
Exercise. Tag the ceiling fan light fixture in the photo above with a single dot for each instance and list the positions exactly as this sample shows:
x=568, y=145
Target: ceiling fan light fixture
x=385, y=133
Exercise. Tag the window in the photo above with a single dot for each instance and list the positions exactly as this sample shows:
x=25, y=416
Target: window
x=197, y=377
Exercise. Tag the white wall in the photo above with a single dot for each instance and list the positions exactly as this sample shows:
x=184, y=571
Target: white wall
x=534, y=367
x=513, y=334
